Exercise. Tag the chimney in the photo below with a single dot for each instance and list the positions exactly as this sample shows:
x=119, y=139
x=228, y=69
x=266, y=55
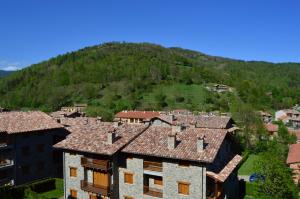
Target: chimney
x=116, y=124
x=111, y=136
x=176, y=129
x=171, y=140
x=200, y=143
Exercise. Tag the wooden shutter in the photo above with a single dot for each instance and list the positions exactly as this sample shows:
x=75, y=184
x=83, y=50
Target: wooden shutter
x=93, y=196
x=73, y=172
x=73, y=193
x=100, y=178
x=128, y=178
x=184, y=188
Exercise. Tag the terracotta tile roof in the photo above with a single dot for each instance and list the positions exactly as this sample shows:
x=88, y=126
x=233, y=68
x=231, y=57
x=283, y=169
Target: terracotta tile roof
x=200, y=121
x=92, y=137
x=271, y=127
x=227, y=170
x=153, y=142
x=218, y=122
x=19, y=122
x=294, y=154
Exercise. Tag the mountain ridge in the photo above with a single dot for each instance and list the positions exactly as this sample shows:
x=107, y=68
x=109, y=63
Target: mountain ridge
x=115, y=76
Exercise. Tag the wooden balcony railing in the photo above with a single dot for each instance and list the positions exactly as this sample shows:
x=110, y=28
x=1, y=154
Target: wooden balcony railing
x=158, y=193
x=90, y=187
x=95, y=164
x=153, y=166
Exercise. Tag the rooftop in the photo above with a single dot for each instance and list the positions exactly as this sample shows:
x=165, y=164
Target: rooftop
x=91, y=136
x=294, y=154
x=153, y=142
x=271, y=127
x=20, y=122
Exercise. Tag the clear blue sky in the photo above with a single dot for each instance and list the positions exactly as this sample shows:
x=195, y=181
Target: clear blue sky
x=35, y=30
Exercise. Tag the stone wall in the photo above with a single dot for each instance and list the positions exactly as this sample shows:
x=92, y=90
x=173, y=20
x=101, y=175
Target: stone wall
x=172, y=174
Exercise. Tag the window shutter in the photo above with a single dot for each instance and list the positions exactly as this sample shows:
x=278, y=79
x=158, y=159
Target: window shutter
x=128, y=178
x=184, y=188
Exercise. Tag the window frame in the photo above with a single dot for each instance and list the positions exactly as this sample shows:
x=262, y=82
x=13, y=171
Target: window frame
x=131, y=177
x=74, y=169
x=187, y=184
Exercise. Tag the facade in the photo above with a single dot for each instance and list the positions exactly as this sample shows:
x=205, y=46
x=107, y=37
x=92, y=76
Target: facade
x=26, y=152
x=92, y=157
x=135, y=117
x=121, y=160
x=265, y=116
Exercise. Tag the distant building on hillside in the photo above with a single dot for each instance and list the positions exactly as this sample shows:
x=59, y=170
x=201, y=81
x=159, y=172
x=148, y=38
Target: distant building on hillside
x=265, y=116
x=289, y=116
x=26, y=152
x=219, y=88
x=272, y=129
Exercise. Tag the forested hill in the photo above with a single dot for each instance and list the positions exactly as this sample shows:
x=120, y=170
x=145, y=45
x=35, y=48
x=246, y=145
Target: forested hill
x=4, y=73
x=115, y=76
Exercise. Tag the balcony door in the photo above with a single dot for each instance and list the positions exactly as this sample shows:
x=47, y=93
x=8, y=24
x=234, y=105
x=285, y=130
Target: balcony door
x=100, y=178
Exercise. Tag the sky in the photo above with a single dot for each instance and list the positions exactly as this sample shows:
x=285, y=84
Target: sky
x=32, y=31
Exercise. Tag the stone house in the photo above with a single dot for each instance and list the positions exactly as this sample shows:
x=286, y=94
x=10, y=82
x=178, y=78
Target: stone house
x=26, y=152
x=92, y=157
x=169, y=163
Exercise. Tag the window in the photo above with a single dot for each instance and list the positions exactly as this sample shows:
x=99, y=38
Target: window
x=25, y=150
x=158, y=181
x=128, y=197
x=40, y=166
x=25, y=170
x=128, y=178
x=92, y=196
x=73, y=193
x=73, y=172
x=184, y=188
x=40, y=148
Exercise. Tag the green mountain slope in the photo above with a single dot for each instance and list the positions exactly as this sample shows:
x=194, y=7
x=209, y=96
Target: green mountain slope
x=115, y=76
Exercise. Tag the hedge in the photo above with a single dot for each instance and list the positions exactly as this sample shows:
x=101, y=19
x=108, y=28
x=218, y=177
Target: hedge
x=19, y=191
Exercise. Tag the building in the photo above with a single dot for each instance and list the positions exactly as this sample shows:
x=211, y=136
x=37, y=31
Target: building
x=286, y=114
x=92, y=155
x=266, y=117
x=293, y=161
x=135, y=116
x=80, y=108
x=272, y=129
x=172, y=162
x=122, y=160
x=26, y=152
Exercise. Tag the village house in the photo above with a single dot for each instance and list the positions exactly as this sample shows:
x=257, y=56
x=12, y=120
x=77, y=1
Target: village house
x=286, y=114
x=92, y=157
x=272, y=129
x=121, y=160
x=134, y=117
x=80, y=108
x=293, y=161
x=172, y=162
x=26, y=152
x=265, y=116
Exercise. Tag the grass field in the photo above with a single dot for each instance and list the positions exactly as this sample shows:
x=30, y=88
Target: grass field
x=248, y=167
x=56, y=193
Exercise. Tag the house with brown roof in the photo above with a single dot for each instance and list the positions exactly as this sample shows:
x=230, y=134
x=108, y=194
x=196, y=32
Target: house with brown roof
x=134, y=117
x=272, y=129
x=92, y=155
x=293, y=161
x=174, y=162
x=265, y=116
x=26, y=152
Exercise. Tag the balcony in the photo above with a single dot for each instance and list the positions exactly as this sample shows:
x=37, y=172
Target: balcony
x=6, y=182
x=90, y=187
x=95, y=164
x=6, y=163
x=154, y=192
x=153, y=166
